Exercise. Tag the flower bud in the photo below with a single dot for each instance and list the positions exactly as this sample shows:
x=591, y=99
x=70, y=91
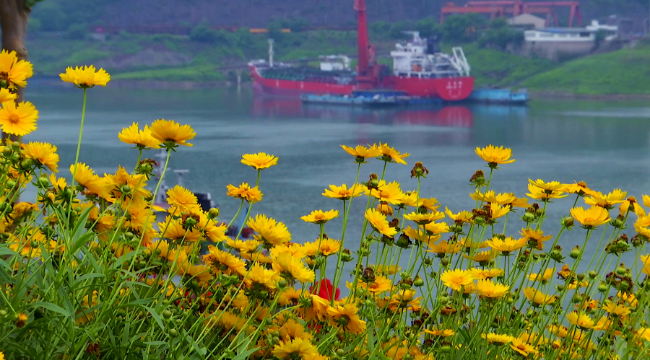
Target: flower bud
x=3, y=313
x=593, y=274
x=575, y=252
x=345, y=256
x=282, y=283
x=603, y=287
x=173, y=332
x=580, y=276
x=567, y=222
x=427, y=261
x=618, y=222
x=418, y=281
x=10, y=184
x=213, y=213
x=404, y=242
x=444, y=262
x=43, y=183
x=27, y=164
x=621, y=270
x=528, y=217
x=479, y=220
x=6, y=151
x=167, y=314
x=623, y=286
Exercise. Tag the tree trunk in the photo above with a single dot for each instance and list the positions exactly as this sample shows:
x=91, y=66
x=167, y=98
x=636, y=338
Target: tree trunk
x=13, y=21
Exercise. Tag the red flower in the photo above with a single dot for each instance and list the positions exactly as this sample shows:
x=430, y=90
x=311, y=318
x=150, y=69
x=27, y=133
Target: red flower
x=326, y=290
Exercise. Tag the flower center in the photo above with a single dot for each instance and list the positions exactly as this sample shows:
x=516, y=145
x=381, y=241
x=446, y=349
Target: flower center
x=14, y=119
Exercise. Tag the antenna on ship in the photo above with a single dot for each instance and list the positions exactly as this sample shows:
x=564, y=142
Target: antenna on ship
x=270, y=52
x=367, y=70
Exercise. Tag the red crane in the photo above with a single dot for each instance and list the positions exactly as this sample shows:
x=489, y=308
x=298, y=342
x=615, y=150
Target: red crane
x=367, y=69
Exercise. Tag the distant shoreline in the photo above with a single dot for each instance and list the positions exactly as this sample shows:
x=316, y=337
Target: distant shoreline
x=188, y=85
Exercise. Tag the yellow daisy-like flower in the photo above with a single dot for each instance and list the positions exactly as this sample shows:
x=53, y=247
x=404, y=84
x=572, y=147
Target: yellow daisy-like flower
x=325, y=247
x=488, y=289
x=538, y=193
x=616, y=309
x=535, y=237
x=182, y=199
x=440, y=332
x=497, y=211
x=443, y=247
x=288, y=266
x=43, y=153
x=425, y=218
x=140, y=138
x=607, y=201
x=495, y=155
x=85, y=77
x=581, y=320
x=522, y=348
x=342, y=192
x=506, y=245
x=387, y=269
x=389, y=154
x=537, y=297
x=269, y=230
x=171, y=132
x=460, y=218
x=548, y=186
x=592, y=217
x=379, y=285
x=245, y=192
x=379, y=223
x=346, y=317
x=482, y=274
x=18, y=119
x=579, y=188
x=295, y=349
x=87, y=178
x=259, y=161
x=224, y=262
x=7, y=95
x=631, y=204
x=259, y=275
x=320, y=216
x=455, y=279
x=361, y=152
x=547, y=275
x=498, y=339
x=483, y=256
x=15, y=72
x=387, y=192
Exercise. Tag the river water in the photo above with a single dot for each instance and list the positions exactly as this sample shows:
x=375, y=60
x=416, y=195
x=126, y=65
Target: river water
x=604, y=143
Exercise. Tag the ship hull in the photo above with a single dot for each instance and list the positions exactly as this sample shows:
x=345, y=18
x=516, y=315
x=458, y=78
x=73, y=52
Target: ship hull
x=447, y=89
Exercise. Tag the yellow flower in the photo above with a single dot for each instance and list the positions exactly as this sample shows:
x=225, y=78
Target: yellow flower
x=616, y=309
x=482, y=274
x=642, y=333
x=537, y=297
x=245, y=192
x=361, y=152
x=87, y=178
x=387, y=269
x=483, y=256
x=342, y=192
x=243, y=246
x=425, y=218
x=389, y=193
x=379, y=285
x=391, y=155
x=121, y=177
x=548, y=186
x=346, y=317
x=15, y=72
x=457, y=278
x=140, y=138
x=607, y=201
x=522, y=348
x=223, y=262
x=325, y=247
x=320, y=216
x=488, y=289
x=631, y=204
x=443, y=247
x=269, y=230
x=43, y=153
x=581, y=320
x=385, y=209
x=548, y=273
x=258, y=275
x=535, y=237
x=293, y=268
x=579, y=188
x=498, y=339
x=440, y=332
x=461, y=217
x=293, y=330
x=85, y=77
x=495, y=155
x=543, y=194
x=379, y=223
x=590, y=218
x=18, y=119
x=172, y=132
x=295, y=349
x=506, y=245
x=182, y=199
x=259, y=161
x=497, y=211
x=7, y=95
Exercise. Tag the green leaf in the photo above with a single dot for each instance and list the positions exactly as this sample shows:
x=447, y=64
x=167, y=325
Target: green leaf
x=156, y=343
x=87, y=277
x=52, y=307
x=156, y=317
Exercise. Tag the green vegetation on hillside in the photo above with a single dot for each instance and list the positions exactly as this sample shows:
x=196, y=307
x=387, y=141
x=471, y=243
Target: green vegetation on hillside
x=621, y=72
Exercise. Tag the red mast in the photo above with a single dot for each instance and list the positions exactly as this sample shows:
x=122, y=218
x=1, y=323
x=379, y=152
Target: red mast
x=367, y=70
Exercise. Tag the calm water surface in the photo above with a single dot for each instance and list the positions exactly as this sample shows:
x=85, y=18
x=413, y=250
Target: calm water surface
x=602, y=143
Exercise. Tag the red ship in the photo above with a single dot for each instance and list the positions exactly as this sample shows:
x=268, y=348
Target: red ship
x=418, y=70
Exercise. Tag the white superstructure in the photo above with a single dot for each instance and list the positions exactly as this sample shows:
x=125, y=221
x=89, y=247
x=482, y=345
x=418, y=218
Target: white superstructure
x=413, y=60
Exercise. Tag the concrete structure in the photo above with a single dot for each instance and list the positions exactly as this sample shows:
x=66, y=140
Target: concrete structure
x=562, y=43
x=527, y=21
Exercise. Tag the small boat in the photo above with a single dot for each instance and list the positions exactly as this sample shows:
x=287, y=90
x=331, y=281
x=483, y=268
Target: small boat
x=499, y=96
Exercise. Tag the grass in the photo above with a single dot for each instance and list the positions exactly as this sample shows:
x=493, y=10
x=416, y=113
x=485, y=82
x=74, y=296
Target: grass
x=621, y=72
x=196, y=73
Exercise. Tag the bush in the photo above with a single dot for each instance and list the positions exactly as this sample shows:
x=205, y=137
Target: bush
x=77, y=32
x=203, y=33
x=463, y=28
x=499, y=35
